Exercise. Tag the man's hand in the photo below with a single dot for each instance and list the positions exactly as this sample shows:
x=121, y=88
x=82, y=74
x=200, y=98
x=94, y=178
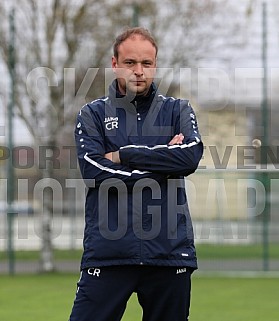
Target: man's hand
x=177, y=139
x=113, y=156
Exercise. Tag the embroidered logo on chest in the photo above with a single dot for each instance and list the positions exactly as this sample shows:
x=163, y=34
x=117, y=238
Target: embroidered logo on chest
x=111, y=122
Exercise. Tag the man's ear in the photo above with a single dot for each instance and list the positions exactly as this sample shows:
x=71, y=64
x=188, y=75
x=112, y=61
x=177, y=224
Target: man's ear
x=113, y=63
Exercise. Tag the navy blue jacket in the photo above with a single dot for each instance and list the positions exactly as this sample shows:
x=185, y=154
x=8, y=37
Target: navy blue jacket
x=136, y=212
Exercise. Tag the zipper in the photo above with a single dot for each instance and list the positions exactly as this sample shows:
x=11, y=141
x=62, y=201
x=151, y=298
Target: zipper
x=139, y=122
x=139, y=131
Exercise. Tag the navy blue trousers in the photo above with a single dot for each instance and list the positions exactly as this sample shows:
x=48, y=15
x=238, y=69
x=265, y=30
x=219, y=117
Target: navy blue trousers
x=163, y=293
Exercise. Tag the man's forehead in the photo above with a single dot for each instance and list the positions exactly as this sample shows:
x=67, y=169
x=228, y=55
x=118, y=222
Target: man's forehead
x=131, y=45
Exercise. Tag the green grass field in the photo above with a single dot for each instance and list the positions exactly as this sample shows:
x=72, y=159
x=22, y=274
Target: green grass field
x=204, y=251
x=49, y=297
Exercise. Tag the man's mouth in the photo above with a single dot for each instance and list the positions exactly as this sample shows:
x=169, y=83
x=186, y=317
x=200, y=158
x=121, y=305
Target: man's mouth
x=137, y=82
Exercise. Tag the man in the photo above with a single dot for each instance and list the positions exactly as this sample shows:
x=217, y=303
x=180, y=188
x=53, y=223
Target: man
x=134, y=148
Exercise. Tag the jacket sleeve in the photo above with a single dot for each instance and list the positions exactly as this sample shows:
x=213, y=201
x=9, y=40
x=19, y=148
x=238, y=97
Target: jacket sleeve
x=168, y=159
x=95, y=168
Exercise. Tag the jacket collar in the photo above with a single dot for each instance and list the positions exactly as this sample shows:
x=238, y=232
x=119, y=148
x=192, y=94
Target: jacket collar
x=141, y=103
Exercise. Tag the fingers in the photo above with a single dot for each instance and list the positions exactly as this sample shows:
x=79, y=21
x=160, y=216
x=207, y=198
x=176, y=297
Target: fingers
x=113, y=156
x=177, y=139
x=108, y=156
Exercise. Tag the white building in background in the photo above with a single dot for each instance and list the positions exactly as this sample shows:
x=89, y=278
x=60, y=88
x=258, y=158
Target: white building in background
x=233, y=80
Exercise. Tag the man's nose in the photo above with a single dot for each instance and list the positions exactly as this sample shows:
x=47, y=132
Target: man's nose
x=138, y=69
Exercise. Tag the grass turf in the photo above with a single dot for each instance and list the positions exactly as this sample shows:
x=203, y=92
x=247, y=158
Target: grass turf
x=50, y=297
x=204, y=251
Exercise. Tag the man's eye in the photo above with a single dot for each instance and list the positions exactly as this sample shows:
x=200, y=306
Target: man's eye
x=147, y=64
x=129, y=63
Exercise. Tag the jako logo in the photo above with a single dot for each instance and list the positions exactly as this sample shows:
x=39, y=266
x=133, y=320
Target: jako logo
x=183, y=270
x=111, y=122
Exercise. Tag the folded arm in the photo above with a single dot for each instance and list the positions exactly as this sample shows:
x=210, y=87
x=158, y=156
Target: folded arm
x=180, y=156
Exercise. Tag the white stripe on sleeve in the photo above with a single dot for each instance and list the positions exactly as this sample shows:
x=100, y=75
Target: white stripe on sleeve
x=111, y=170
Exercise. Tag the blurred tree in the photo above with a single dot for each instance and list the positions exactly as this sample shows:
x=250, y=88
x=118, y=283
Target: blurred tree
x=64, y=46
x=57, y=43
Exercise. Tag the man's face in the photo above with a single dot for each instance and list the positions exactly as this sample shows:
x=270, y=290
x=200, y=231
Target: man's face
x=135, y=66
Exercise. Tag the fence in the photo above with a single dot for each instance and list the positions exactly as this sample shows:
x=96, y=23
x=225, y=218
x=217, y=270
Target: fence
x=235, y=219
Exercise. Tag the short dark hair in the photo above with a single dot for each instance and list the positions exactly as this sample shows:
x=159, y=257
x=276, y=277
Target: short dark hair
x=131, y=32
